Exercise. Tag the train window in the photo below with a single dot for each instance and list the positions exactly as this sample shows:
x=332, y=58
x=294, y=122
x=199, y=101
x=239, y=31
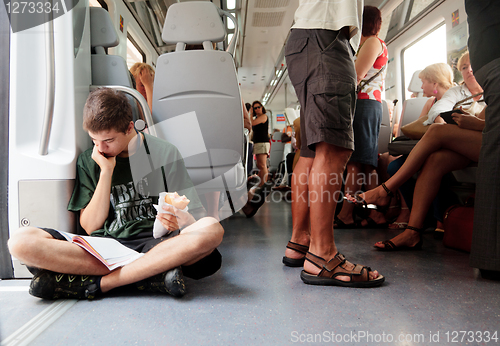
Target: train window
x=230, y=4
x=419, y=6
x=134, y=52
x=150, y=15
x=428, y=50
x=98, y=3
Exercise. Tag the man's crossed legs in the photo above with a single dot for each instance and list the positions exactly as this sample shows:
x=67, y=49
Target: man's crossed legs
x=37, y=248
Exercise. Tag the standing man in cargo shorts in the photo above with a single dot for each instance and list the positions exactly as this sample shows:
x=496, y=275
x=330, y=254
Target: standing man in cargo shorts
x=319, y=56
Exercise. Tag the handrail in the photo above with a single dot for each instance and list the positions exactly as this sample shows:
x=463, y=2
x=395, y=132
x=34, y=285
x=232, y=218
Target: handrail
x=50, y=87
x=231, y=48
x=138, y=96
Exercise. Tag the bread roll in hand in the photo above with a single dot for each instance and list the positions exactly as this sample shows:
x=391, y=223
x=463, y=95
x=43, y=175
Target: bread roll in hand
x=173, y=198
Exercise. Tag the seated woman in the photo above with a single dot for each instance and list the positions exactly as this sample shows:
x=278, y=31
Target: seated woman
x=468, y=88
x=437, y=79
x=443, y=148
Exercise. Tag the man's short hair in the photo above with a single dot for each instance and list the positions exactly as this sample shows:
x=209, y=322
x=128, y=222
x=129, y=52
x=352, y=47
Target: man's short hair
x=107, y=109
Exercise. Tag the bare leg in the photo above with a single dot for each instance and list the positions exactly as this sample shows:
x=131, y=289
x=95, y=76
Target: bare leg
x=352, y=186
x=192, y=244
x=403, y=216
x=212, y=199
x=36, y=247
x=324, y=186
x=262, y=167
x=426, y=189
x=371, y=182
x=439, y=136
x=301, y=232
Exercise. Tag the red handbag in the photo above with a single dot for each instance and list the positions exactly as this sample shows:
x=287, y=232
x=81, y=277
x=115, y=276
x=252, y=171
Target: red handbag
x=458, y=224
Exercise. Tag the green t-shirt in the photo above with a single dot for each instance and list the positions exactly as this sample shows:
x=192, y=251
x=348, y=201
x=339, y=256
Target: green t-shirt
x=136, y=183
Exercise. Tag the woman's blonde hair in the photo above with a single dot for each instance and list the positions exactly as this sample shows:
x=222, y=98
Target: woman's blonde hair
x=462, y=60
x=139, y=66
x=440, y=73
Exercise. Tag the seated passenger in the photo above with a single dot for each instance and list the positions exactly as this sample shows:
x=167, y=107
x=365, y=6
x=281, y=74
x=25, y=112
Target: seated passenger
x=443, y=148
x=115, y=203
x=442, y=103
x=144, y=76
x=437, y=79
x=467, y=89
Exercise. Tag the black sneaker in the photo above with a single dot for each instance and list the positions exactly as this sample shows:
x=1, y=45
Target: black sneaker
x=171, y=282
x=49, y=285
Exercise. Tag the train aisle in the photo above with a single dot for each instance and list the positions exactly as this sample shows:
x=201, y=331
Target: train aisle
x=428, y=295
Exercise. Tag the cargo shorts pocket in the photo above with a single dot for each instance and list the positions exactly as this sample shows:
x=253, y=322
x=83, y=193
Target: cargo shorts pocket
x=336, y=100
x=295, y=61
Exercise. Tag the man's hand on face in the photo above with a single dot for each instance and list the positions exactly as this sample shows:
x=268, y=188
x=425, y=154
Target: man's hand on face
x=106, y=163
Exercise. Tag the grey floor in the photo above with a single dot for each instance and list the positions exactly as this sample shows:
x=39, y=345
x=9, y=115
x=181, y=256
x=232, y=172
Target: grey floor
x=429, y=297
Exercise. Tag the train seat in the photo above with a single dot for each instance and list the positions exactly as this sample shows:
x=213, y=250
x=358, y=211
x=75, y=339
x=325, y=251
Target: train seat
x=106, y=69
x=276, y=155
x=198, y=90
x=385, y=134
x=413, y=106
x=415, y=85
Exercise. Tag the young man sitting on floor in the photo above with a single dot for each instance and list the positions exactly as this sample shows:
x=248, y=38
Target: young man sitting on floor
x=114, y=194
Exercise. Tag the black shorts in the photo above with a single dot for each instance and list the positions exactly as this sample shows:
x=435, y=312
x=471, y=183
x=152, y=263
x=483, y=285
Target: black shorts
x=321, y=68
x=144, y=242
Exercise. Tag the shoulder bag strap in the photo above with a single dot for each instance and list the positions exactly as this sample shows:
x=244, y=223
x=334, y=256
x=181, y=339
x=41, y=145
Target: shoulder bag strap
x=363, y=82
x=462, y=102
x=152, y=166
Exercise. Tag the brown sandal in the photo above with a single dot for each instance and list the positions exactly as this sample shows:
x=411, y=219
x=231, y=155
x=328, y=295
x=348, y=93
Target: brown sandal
x=338, y=266
x=295, y=262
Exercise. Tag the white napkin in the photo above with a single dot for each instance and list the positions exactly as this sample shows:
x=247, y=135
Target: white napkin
x=158, y=229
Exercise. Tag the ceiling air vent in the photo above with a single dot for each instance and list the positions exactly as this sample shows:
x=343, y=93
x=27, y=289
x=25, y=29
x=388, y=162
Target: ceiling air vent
x=271, y=3
x=267, y=19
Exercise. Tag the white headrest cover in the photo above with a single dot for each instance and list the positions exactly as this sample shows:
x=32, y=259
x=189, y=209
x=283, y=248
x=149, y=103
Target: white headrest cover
x=102, y=31
x=193, y=22
x=415, y=85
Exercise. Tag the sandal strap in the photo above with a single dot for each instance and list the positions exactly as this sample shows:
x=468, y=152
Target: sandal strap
x=298, y=247
x=358, y=274
x=316, y=260
x=389, y=192
x=389, y=245
x=419, y=230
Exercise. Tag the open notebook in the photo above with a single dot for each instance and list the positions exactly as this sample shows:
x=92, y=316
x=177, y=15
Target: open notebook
x=109, y=251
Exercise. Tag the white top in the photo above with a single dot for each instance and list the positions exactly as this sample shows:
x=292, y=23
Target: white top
x=331, y=15
x=447, y=102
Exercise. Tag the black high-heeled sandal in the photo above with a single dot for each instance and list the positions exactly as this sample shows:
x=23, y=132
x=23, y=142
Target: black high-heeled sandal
x=361, y=203
x=390, y=246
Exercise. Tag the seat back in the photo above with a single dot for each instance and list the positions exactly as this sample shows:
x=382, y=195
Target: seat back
x=106, y=69
x=276, y=155
x=412, y=109
x=197, y=103
x=385, y=134
x=415, y=85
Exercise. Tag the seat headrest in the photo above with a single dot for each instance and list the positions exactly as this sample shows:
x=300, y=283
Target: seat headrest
x=193, y=22
x=415, y=85
x=102, y=31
